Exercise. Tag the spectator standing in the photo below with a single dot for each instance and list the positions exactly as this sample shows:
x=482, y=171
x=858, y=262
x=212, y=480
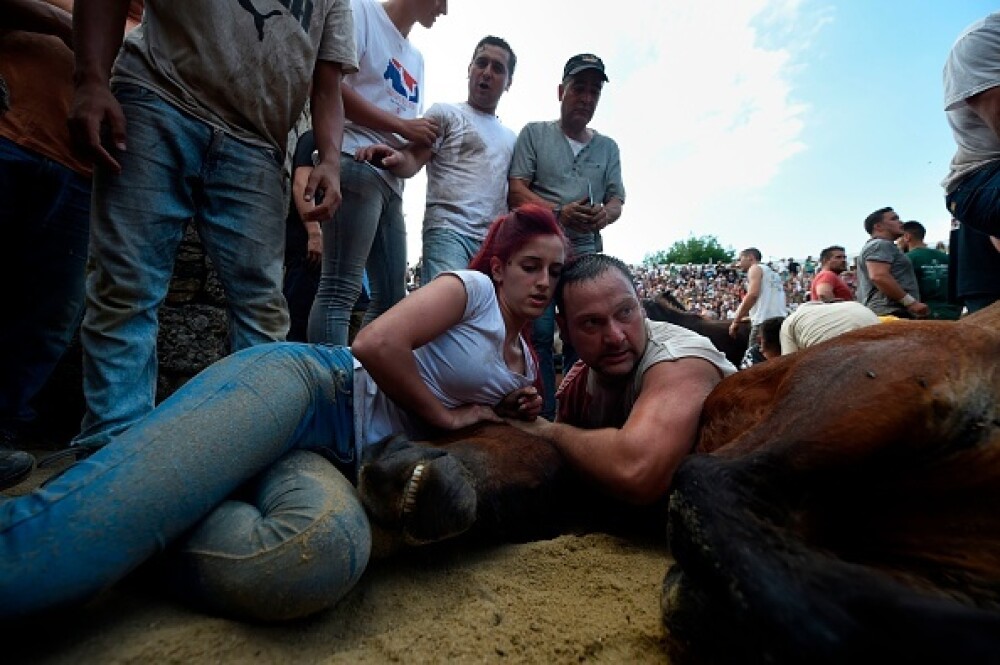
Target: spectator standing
x=886, y=282
x=208, y=93
x=576, y=171
x=828, y=285
x=383, y=102
x=45, y=211
x=765, y=299
x=466, y=166
x=972, y=107
x=930, y=267
x=972, y=186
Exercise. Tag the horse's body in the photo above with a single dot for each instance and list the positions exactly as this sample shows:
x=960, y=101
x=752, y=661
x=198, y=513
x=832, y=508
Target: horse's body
x=841, y=504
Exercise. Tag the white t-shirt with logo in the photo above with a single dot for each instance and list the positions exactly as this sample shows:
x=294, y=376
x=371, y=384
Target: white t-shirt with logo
x=390, y=75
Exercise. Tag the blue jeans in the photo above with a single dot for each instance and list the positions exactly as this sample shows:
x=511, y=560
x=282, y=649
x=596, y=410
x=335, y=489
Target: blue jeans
x=296, y=544
x=443, y=250
x=176, y=169
x=367, y=230
x=543, y=334
x=976, y=200
x=44, y=219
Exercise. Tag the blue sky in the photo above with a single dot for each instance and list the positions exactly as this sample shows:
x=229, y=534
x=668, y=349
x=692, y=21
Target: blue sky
x=778, y=124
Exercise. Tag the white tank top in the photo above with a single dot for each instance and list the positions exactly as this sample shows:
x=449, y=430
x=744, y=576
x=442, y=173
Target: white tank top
x=771, y=302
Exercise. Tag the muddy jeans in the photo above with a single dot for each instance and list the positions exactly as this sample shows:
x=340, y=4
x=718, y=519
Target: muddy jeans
x=294, y=541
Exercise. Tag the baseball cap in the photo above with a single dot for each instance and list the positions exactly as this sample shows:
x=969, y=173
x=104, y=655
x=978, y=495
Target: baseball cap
x=578, y=63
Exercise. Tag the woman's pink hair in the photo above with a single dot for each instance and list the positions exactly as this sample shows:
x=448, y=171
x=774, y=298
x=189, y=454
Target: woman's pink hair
x=509, y=233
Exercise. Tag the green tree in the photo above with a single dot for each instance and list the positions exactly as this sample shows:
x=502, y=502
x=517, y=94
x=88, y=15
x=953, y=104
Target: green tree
x=703, y=249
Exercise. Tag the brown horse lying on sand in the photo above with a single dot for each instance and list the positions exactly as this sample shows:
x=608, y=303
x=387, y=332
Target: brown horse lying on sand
x=841, y=504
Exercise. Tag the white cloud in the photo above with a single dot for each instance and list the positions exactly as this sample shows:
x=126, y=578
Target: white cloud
x=700, y=99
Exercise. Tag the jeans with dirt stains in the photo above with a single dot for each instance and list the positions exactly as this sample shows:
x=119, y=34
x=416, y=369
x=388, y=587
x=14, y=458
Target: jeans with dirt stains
x=240, y=478
x=176, y=170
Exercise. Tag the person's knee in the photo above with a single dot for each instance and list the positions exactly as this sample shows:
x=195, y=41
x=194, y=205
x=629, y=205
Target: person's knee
x=299, y=543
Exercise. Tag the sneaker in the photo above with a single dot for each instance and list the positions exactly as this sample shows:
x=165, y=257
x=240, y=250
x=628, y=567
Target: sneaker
x=15, y=466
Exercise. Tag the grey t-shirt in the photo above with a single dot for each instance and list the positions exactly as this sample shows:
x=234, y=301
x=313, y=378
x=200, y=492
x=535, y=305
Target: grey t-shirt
x=243, y=67
x=885, y=251
x=544, y=158
x=972, y=67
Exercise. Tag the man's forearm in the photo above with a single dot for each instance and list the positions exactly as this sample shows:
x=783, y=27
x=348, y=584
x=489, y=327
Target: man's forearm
x=328, y=111
x=519, y=193
x=98, y=29
x=889, y=287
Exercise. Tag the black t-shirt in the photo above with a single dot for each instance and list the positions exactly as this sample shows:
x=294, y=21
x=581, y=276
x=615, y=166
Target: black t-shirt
x=295, y=233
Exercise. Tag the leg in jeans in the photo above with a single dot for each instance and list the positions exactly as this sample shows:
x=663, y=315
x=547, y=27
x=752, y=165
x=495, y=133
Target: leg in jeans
x=542, y=338
x=443, y=250
x=45, y=208
x=387, y=261
x=241, y=215
x=753, y=354
x=347, y=243
x=137, y=221
x=976, y=200
x=90, y=526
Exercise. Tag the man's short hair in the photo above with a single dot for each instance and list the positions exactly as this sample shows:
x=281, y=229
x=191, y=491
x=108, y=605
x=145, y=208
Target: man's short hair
x=588, y=267
x=915, y=229
x=874, y=218
x=770, y=333
x=752, y=251
x=827, y=253
x=490, y=40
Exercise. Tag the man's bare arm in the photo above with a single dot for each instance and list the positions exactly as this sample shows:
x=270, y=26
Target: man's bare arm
x=637, y=462
x=98, y=30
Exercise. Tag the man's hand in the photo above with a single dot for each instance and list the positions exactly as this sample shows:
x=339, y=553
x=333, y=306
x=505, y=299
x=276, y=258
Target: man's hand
x=94, y=111
x=522, y=404
x=734, y=328
x=577, y=216
x=420, y=130
x=324, y=188
x=379, y=155
x=919, y=309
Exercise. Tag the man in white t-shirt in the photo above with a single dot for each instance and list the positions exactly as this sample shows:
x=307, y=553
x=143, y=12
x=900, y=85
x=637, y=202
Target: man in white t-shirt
x=383, y=102
x=466, y=166
x=765, y=299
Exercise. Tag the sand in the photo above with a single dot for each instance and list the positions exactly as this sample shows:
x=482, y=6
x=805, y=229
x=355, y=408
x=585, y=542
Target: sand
x=577, y=598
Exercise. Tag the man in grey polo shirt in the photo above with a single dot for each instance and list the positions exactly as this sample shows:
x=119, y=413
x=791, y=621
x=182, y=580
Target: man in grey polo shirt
x=575, y=171
x=887, y=284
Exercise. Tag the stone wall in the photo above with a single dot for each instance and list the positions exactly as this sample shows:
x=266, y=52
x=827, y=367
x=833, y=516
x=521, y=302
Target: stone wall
x=193, y=334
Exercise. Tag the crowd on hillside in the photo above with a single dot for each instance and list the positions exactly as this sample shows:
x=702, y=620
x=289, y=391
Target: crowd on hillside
x=711, y=290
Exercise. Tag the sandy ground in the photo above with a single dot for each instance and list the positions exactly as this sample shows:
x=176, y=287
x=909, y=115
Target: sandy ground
x=578, y=598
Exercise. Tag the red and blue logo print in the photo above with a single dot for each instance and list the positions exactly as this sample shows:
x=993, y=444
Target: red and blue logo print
x=402, y=81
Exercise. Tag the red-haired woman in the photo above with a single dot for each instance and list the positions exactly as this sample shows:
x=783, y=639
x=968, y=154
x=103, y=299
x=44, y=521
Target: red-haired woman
x=295, y=537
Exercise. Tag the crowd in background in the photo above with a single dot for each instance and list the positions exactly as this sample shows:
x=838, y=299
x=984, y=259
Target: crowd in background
x=711, y=290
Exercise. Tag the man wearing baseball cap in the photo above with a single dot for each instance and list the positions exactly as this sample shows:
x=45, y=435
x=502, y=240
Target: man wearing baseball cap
x=576, y=171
